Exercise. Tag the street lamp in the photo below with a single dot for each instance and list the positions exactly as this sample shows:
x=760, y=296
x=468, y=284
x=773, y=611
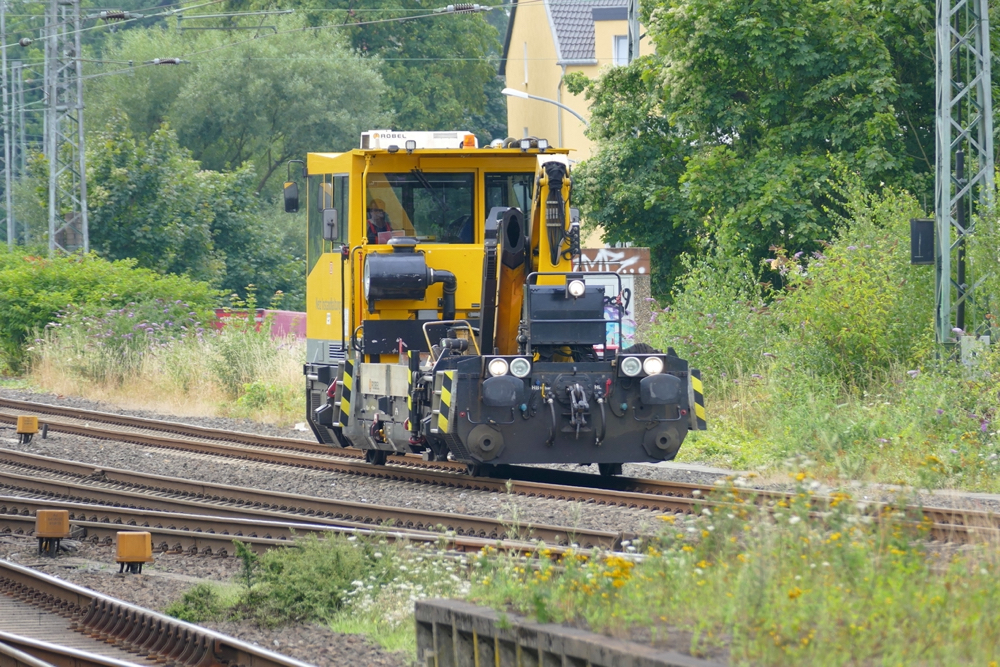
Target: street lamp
x=511, y=92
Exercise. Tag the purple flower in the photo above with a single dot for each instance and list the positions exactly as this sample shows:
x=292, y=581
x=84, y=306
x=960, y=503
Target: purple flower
x=649, y=298
x=755, y=376
x=797, y=255
x=913, y=374
x=883, y=440
x=956, y=330
x=984, y=425
x=852, y=247
x=940, y=411
x=953, y=451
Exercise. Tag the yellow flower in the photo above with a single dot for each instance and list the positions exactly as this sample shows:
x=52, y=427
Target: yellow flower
x=794, y=593
x=668, y=518
x=799, y=477
x=687, y=547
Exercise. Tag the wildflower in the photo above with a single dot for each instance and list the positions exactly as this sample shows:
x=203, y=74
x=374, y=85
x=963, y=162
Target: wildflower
x=794, y=593
x=852, y=247
x=794, y=520
x=913, y=374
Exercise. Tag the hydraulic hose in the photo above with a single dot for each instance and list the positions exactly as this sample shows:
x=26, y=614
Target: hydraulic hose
x=450, y=288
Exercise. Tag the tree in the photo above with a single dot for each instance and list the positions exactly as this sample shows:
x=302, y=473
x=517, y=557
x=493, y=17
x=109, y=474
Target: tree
x=754, y=97
x=262, y=101
x=151, y=201
x=439, y=70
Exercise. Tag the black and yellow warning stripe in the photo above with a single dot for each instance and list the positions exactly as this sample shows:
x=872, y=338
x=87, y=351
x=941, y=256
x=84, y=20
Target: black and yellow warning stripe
x=345, y=393
x=699, y=399
x=444, y=414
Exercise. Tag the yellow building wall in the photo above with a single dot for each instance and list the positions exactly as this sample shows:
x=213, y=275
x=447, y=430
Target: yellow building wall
x=540, y=74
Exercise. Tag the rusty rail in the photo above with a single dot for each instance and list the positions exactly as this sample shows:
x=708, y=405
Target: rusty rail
x=144, y=633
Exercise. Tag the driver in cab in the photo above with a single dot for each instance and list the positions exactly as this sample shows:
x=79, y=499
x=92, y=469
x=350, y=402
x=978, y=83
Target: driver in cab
x=379, y=230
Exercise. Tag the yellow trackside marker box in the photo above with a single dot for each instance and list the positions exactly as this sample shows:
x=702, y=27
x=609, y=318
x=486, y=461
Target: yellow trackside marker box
x=27, y=425
x=134, y=548
x=52, y=523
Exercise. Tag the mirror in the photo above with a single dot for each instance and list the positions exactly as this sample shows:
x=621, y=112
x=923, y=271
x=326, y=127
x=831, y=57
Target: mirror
x=291, y=191
x=330, y=224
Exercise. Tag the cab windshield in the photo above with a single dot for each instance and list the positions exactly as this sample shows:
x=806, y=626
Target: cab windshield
x=433, y=207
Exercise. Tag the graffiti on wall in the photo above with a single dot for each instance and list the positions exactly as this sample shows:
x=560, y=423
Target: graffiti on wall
x=623, y=261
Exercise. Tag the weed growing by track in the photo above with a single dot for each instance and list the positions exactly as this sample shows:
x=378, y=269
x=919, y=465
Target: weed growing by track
x=352, y=585
x=772, y=586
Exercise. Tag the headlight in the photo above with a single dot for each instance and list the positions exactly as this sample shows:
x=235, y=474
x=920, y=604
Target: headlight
x=519, y=367
x=367, y=280
x=576, y=288
x=497, y=367
x=631, y=366
x=652, y=365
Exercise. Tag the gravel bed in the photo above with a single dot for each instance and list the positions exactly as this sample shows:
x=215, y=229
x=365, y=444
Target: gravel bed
x=244, y=425
x=273, y=477
x=583, y=516
x=171, y=575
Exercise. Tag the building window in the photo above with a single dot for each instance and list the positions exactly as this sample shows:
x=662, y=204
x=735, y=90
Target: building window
x=621, y=50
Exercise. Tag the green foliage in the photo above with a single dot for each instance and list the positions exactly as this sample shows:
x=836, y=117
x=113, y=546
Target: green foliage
x=199, y=604
x=249, y=563
x=439, y=71
x=151, y=201
x=773, y=584
x=108, y=346
x=33, y=290
x=311, y=581
x=621, y=187
x=746, y=101
x=261, y=101
x=718, y=318
x=837, y=365
x=859, y=305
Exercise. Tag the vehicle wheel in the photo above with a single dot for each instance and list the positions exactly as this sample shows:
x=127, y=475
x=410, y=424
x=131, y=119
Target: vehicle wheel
x=376, y=456
x=609, y=469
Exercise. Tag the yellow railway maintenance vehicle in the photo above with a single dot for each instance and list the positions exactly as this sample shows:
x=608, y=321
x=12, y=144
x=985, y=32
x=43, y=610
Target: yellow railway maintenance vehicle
x=444, y=316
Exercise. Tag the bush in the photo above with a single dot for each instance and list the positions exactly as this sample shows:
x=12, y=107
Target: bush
x=34, y=289
x=110, y=346
x=201, y=603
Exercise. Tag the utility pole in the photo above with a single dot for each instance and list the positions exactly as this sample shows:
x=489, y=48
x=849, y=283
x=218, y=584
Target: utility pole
x=964, y=165
x=7, y=162
x=633, y=30
x=64, y=137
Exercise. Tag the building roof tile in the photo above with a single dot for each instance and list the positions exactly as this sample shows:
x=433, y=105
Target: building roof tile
x=573, y=21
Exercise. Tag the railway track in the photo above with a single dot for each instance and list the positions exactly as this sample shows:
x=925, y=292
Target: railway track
x=55, y=622
x=672, y=497
x=633, y=493
x=41, y=476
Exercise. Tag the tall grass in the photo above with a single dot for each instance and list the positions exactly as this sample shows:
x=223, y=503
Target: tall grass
x=773, y=585
x=170, y=364
x=837, y=362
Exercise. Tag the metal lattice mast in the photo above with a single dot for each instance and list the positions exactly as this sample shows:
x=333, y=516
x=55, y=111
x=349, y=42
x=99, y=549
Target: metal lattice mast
x=964, y=128
x=8, y=164
x=64, y=143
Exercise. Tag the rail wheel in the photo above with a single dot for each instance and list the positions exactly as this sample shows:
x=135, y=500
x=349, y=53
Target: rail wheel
x=376, y=456
x=479, y=469
x=609, y=469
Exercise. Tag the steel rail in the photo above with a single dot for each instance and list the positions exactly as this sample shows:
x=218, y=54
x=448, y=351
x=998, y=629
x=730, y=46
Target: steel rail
x=657, y=495
x=109, y=485
x=147, y=634
x=20, y=651
x=652, y=495
x=199, y=534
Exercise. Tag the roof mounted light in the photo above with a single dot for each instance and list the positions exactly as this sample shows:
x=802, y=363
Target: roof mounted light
x=543, y=145
x=393, y=149
x=410, y=145
x=525, y=145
